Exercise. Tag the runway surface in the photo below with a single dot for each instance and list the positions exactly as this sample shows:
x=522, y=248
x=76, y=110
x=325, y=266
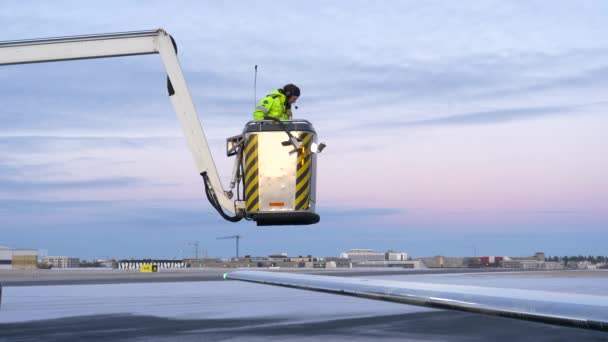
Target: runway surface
x=236, y=311
x=424, y=326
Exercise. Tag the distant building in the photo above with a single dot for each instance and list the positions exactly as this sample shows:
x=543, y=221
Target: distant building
x=490, y=260
x=362, y=255
x=472, y=262
x=107, y=263
x=135, y=264
x=387, y=263
x=339, y=262
x=278, y=255
x=395, y=256
x=441, y=261
x=370, y=258
x=540, y=256
x=316, y=264
x=62, y=261
x=531, y=264
x=279, y=260
x=219, y=263
x=11, y=258
x=586, y=265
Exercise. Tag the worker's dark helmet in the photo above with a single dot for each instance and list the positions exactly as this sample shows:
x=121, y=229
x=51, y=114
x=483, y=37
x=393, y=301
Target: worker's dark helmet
x=291, y=90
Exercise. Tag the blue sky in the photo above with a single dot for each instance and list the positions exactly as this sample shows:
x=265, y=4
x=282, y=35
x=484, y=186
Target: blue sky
x=452, y=127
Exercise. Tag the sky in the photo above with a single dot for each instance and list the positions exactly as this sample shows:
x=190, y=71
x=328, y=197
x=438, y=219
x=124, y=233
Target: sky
x=453, y=128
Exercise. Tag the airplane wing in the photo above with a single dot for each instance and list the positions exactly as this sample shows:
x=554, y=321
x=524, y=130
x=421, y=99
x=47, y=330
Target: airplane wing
x=568, y=309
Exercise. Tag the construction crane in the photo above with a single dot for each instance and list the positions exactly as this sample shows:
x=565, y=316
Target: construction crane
x=237, y=237
x=274, y=176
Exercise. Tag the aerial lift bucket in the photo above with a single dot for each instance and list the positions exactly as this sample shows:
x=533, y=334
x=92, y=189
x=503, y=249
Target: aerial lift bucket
x=280, y=176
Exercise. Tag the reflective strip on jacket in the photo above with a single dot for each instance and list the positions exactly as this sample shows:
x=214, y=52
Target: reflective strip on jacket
x=273, y=105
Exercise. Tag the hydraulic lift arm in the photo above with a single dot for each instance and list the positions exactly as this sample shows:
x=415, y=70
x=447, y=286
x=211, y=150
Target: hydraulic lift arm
x=130, y=44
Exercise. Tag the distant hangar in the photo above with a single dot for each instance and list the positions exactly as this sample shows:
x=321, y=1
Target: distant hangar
x=11, y=258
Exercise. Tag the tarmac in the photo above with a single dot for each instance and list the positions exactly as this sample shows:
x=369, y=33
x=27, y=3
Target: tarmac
x=422, y=326
x=123, y=323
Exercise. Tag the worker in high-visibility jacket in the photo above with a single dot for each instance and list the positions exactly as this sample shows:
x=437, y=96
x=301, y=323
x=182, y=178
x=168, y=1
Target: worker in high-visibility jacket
x=277, y=104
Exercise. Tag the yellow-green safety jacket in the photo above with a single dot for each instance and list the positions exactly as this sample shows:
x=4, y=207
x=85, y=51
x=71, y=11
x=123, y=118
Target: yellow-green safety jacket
x=273, y=105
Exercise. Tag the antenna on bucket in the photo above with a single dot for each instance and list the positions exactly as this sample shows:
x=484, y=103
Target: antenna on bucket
x=255, y=83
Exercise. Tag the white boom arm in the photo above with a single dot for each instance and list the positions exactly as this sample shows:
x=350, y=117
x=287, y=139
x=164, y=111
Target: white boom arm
x=128, y=44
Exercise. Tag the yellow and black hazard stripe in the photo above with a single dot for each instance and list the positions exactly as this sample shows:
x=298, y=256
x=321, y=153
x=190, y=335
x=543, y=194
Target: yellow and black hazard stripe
x=252, y=193
x=304, y=172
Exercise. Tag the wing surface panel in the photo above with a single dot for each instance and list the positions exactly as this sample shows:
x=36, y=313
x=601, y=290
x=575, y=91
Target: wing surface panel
x=569, y=309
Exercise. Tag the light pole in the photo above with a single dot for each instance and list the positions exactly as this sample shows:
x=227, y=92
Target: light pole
x=195, y=244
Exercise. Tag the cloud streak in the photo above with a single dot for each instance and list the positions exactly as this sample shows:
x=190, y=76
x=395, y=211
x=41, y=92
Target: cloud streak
x=489, y=117
x=42, y=143
x=29, y=186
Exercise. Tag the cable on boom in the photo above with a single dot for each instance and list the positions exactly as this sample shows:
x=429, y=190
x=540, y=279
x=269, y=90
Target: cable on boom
x=214, y=201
